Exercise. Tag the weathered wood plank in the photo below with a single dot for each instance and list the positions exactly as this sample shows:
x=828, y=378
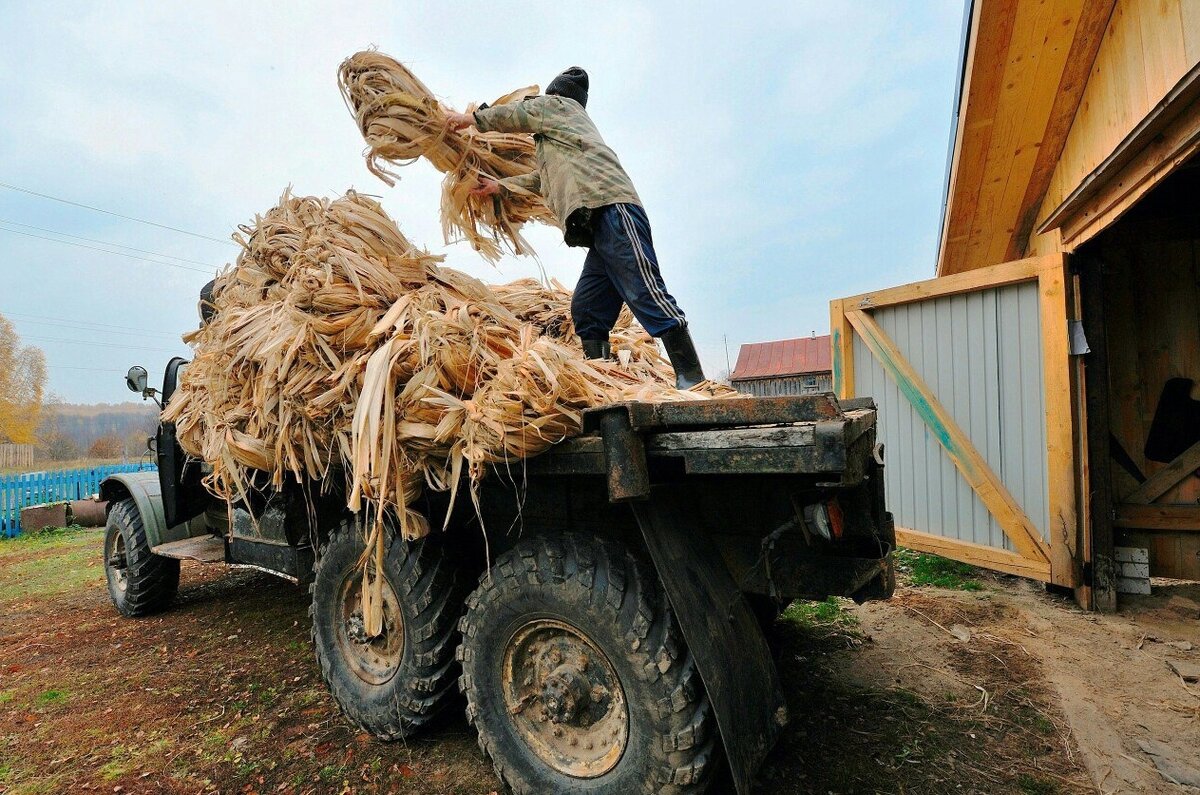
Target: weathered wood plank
x=975, y=554
x=1159, y=517
x=786, y=436
x=723, y=414
x=1060, y=440
x=841, y=339
x=1098, y=534
x=1022, y=270
x=1167, y=478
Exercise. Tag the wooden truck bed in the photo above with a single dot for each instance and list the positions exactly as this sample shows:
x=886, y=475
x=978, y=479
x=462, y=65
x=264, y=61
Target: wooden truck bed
x=797, y=435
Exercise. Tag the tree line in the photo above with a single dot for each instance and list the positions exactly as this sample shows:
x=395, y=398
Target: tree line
x=22, y=386
x=60, y=431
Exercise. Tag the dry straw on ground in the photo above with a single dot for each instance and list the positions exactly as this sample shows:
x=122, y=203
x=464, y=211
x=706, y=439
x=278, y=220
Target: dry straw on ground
x=339, y=349
x=401, y=120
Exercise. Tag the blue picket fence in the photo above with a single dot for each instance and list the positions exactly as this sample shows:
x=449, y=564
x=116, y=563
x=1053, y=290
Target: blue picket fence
x=36, y=488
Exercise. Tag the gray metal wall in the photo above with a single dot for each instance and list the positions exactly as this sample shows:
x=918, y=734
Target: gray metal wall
x=790, y=385
x=981, y=355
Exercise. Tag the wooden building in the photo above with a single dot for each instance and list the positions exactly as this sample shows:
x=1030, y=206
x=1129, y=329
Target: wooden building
x=784, y=367
x=1039, y=394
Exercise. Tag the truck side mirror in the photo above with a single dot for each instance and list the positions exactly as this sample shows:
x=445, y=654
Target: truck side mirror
x=136, y=379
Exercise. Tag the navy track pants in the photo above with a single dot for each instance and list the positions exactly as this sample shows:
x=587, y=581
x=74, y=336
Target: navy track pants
x=621, y=267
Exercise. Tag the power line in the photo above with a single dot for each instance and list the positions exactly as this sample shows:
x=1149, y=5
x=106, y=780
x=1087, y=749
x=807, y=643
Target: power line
x=86, y=326
x=88, y=323
x=105, y=242
x=110, y=212
x=106, y=251
x=102, y=344
x=91, y=369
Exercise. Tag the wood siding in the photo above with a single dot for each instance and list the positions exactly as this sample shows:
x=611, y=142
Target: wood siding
x=1027, y=64
x=788, y=385
x=1148, y=47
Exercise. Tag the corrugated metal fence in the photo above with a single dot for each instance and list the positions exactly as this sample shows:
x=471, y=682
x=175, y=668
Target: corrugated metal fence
x=16, y=456
x=37, y=488
x=981, y=354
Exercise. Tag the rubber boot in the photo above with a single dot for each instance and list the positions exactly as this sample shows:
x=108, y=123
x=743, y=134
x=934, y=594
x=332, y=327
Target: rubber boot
x=684, y=359
x=597, y=349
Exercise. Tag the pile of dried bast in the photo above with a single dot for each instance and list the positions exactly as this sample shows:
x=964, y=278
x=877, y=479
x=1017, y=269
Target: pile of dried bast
x=337, y=346
x=401, y=121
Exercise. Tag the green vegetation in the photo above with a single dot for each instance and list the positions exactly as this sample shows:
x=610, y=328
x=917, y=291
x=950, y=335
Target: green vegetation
x=111, y=771
x=829, y=613
x=50, y=563
x=50, y=697
x=332, y=774
x=925, y=569
x=50, y=538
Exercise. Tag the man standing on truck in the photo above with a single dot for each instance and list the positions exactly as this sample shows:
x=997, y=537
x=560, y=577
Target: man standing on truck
x=596, y=204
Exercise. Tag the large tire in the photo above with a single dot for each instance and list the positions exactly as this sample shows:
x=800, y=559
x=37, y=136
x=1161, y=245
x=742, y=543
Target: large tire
x=139, y=581
x=577, y=678
x=395, y=683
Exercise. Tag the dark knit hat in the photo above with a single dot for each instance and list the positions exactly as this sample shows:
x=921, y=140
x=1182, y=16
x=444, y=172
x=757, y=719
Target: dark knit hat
x=572, y=84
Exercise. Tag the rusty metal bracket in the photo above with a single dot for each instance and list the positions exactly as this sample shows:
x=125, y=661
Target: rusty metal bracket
x=625, y=457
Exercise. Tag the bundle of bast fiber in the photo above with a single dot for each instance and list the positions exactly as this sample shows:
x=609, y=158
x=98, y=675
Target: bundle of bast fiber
x=340, y=349
x=401, y=121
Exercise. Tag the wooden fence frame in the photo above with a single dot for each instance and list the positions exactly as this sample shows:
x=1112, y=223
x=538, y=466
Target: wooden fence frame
x=1056, y=562
x=16, y=456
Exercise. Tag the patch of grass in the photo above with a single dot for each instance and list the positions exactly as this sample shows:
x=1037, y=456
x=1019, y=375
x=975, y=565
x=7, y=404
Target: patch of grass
x=6, y=696
x=925, y=569
x=50, y=697
x=51, y=563
x=829, y=613
x=111, y=771
x=5, y=772
x=40, y=539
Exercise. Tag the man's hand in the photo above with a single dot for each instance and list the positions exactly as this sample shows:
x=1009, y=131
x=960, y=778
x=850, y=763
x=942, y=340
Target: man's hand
x=486, y=187
x=458, y=121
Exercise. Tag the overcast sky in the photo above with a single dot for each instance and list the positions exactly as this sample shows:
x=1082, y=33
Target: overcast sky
x=787, y=153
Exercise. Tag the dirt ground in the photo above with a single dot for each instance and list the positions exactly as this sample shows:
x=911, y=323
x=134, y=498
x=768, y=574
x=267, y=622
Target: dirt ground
x=941, y=690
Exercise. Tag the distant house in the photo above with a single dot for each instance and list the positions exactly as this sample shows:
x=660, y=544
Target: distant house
x=784, y=367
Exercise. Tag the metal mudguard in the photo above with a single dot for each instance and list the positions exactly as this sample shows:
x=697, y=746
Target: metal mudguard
x=723, y=635
x=144, y=489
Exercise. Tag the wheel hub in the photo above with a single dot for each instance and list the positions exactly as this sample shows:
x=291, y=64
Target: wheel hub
x=374, y=660
x=118, y=562
x=566, y=694
x=565, y=699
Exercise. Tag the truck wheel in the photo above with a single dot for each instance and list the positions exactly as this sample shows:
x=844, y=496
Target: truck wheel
x=392, y=684
x=576, y=676
x=139, y=581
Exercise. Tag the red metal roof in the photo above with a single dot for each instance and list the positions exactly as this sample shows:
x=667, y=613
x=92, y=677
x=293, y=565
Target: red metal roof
x=783, y=357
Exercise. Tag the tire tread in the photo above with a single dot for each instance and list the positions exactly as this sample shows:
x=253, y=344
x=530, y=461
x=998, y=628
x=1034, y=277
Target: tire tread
x=607, y=575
